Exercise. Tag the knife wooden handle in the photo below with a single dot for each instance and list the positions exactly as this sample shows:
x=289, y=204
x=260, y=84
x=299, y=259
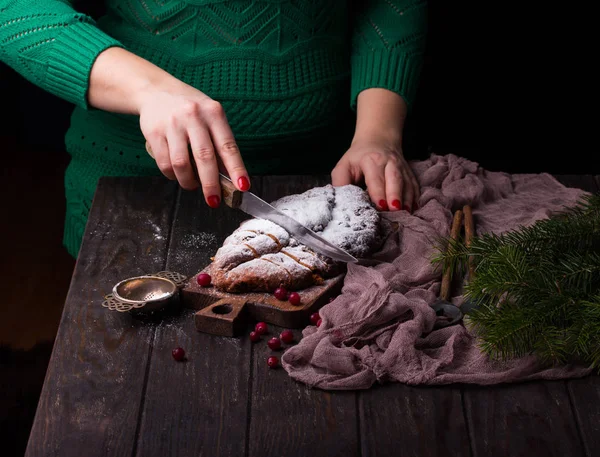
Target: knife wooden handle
x=231, y=196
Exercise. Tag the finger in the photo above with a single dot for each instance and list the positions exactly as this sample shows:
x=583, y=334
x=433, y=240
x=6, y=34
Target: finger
x=226, y=146
x=394, y=184
x=374, y=179
x=341, y=175
x=180, y=159
x=203, y=154
x=159, y=150
x=408, y=195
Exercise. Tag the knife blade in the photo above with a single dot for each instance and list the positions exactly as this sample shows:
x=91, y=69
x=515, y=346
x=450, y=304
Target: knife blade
x=257, y=207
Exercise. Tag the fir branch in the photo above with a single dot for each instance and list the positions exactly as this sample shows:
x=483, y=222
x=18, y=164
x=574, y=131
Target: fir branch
x=537, y=287
x=550, y=345
x=583, y=337
x=580, y=271
x=507, y=330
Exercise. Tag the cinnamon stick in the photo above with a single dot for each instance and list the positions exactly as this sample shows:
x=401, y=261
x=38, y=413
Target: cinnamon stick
x=469, y=233
x=454, y=233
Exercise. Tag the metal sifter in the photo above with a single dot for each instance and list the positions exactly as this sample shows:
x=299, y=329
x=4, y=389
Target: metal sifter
x=146, y=293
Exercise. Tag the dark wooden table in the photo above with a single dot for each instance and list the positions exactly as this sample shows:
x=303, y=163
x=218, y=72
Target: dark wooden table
x=113, y=389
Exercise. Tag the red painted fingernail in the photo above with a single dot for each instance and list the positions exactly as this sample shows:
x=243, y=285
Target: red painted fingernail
x=243, y=183
x=383, y=205
x=213, y=201
x=396, y=204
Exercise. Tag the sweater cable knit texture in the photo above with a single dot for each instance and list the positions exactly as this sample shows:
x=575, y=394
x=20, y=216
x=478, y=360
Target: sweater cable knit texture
x=287, y=73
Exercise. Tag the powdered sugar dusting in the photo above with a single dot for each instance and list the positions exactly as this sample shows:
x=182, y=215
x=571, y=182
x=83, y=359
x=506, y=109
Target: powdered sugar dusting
x=201, y=240
x=313, y=208
x=354, y=224
x=342, y=215
x=254, y=237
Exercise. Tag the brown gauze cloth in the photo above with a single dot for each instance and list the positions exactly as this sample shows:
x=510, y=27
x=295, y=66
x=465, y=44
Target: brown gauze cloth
x=379, y=329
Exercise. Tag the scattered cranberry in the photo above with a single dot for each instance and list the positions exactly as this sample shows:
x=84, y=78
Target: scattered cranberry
x=261, y=328
x=319, y=322
x=287, y=336
x=204, y=279
x=178, y=354
x=314, y=317
x=274, y=343
x=281, y=293
x=294, y=298
x=254, y=336
x=272, y=361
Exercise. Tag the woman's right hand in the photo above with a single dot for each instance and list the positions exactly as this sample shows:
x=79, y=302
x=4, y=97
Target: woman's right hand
x=173, y=118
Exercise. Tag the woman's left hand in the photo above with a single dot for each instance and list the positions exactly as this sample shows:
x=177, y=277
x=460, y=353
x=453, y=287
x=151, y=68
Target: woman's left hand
x=390, y=182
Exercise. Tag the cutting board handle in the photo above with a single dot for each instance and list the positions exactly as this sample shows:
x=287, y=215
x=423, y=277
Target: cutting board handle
x=231, y=196
x=225, y=317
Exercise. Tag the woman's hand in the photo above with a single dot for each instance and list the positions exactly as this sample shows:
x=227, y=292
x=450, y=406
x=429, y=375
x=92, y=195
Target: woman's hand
x=173, y=119
x=173, y=116
x=390, y=182
x=375, y=154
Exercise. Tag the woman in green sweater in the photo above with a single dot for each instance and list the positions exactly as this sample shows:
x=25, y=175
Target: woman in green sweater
x=256, y=87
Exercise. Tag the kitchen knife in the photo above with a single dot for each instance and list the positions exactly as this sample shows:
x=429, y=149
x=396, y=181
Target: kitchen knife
x=255, y=206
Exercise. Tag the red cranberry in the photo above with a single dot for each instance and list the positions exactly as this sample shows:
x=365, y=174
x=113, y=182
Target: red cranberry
x=319, y=322
x=294, y=298
x=314, y=317
x=272, y=361
x=254, y=336
x=281, y=293
x=204, y=279
x=287, y=336
x=178, y=354
x=274, y=343
x=261, y=328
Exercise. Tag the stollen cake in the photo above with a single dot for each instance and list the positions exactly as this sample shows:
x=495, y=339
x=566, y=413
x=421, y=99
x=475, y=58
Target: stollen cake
x=261, y=256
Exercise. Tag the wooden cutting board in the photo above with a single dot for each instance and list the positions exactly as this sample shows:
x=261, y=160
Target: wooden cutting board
x=222, y=313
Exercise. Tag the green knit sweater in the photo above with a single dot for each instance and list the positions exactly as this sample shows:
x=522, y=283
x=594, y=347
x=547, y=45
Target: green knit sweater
x=287, y=73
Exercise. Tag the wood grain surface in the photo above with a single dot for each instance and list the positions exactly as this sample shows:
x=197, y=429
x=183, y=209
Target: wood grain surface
x=114, y=389
x=95, y=383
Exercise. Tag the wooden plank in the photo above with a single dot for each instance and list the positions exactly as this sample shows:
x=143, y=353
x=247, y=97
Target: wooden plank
x=399, y=420
x=585, y=393
x=585, y=398
x=533, y=418
x=196, y=407
x=288, y=418
x=94, y=385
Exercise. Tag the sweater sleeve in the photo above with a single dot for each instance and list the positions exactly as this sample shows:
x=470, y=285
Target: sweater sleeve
x=388, y=45
x=51, y=45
